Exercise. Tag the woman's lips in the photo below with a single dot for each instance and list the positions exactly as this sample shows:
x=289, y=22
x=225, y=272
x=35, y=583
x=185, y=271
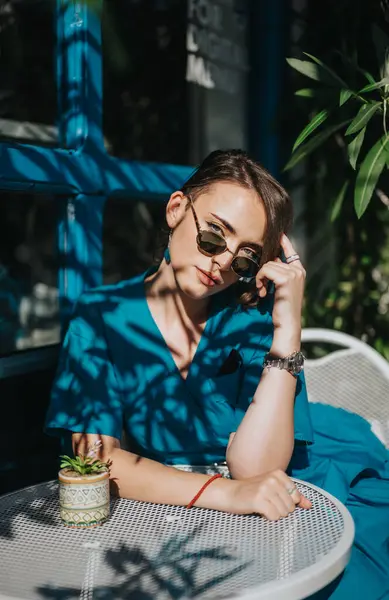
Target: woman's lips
x=206, y=279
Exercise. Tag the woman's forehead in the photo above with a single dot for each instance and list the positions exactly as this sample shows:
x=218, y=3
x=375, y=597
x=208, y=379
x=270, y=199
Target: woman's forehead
x=239, y=206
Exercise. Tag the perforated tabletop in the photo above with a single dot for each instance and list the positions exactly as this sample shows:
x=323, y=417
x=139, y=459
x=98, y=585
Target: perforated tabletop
x=156, y=552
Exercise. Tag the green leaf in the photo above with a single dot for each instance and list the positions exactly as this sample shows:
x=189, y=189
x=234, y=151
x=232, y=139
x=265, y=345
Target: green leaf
x=305, y=67
x=339, y=201
x=305, y=93
x=314, y=71
x=336, y=79
x=374, y=86
x=312, y=144
x=310, y=128
x=364, y=115
x=354, y=148
x=368, y=175
x=344, y=96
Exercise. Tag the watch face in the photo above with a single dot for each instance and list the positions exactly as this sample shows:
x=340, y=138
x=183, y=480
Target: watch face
x=298, y=362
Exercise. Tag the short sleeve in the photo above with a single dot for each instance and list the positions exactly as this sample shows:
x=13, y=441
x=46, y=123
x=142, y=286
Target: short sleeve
x=85, y=397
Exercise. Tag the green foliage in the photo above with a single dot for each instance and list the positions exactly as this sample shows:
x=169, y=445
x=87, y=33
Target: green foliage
x=363, y=111
x=343, y=177
x=87, y=464
x=369, y=173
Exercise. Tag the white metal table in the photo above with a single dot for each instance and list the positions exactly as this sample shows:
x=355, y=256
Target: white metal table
x=157, y=552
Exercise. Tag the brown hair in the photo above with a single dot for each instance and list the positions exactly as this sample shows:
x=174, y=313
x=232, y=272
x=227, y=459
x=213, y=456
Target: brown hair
x=236, y=166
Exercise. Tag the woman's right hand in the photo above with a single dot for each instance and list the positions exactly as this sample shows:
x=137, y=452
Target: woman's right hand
x=267, y=495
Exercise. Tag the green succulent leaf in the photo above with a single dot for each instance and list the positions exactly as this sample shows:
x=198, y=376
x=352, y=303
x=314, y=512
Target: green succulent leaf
x=85, y=465
x=339, y=201
x=364, y=115
x=368, y=175
x=355, y=146
x=310, y=128
x=316, y=141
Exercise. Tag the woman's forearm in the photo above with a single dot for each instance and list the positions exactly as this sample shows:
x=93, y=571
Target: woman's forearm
x=137, y=478
x=265, y=438
x=143, y=479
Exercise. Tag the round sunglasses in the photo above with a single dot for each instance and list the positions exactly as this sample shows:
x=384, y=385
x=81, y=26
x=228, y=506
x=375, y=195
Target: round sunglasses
x=211, y=243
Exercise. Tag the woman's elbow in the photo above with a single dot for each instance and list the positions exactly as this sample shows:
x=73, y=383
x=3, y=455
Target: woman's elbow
x=246, y=469
x=243, y=470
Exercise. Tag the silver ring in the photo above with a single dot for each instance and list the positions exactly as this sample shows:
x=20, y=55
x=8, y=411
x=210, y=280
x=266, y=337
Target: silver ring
x=291, y=490
x=292, y=258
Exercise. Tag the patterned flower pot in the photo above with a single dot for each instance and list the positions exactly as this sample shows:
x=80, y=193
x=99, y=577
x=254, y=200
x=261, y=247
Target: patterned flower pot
x=83, y=499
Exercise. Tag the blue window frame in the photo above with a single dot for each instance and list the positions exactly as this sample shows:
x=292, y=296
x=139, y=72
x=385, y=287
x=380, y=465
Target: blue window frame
x=79, y=169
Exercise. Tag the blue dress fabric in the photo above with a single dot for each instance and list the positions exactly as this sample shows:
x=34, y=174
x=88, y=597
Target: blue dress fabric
x=350, y=462
x=116, y=374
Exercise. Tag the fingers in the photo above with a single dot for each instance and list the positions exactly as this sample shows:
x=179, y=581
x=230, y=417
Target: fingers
x=280, y=273
x=280, y=496
x=273, y=496
x=296, y=496
x=304, y=502
x=287, y=246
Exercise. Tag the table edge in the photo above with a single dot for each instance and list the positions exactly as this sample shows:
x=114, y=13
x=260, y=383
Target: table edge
x=295, y=587
x=309, y=580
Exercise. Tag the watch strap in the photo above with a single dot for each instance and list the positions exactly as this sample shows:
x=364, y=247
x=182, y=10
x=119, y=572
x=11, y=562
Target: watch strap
x=293, y=363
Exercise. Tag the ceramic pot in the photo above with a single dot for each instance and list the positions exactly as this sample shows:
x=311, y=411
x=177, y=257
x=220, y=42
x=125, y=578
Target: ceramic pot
x=83, y=499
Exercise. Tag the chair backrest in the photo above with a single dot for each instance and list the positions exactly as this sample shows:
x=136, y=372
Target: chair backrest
x=355, y=378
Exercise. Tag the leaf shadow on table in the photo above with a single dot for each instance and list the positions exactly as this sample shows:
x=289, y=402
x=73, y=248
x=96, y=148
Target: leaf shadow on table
x=41, y=510
x=173, y=573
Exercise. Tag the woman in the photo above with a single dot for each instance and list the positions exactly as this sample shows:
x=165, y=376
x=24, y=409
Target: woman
x=175, y=356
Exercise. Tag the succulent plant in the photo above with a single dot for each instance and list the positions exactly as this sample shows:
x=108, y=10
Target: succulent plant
x=87, y=464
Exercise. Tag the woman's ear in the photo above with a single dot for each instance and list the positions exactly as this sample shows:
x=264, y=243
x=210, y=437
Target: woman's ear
x=175, y=209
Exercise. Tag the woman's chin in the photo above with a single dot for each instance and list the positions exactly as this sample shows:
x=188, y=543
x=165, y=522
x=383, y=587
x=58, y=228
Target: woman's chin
x=196, y=290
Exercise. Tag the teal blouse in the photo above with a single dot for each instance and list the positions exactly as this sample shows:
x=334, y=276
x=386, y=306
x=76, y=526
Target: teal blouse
x=116, y=374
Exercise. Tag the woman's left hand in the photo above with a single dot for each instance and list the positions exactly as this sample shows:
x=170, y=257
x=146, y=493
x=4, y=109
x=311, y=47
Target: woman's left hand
x=289, y=280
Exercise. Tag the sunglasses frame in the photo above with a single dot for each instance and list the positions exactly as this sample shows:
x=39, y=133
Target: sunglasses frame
x=223, y=249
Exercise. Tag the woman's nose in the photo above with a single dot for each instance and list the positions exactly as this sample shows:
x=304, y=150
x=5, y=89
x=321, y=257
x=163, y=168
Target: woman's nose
x=224, y=260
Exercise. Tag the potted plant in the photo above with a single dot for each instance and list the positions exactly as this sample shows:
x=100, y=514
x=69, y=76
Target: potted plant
x=84, y=489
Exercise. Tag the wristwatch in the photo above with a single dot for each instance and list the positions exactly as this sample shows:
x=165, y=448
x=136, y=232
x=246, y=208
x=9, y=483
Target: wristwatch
x=294, y=363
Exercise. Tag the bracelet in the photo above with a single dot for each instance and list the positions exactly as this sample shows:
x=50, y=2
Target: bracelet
x=206, y=484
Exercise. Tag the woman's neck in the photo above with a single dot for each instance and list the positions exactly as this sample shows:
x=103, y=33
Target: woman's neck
x=162, y=290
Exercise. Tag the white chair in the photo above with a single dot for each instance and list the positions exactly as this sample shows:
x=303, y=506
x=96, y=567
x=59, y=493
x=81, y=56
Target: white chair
x=355, y=378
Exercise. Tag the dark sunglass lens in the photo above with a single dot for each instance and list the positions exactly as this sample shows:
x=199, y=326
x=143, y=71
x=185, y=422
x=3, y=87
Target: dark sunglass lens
x=211, y=243
x=244, y=267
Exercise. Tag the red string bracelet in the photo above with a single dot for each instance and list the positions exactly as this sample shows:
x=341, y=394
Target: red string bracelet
x=206, y=484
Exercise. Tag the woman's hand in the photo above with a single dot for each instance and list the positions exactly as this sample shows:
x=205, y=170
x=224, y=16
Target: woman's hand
x=267, y=495
x=289, y=280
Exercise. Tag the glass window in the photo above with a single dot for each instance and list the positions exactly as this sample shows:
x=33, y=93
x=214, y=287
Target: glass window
x=28, y=104
x=217, y=75
x=144, y=103
x=29, y=308
x=175, y=77
x=134, y=237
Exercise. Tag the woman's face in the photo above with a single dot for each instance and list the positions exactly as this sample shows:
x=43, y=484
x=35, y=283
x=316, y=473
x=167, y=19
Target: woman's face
x=228, y=209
